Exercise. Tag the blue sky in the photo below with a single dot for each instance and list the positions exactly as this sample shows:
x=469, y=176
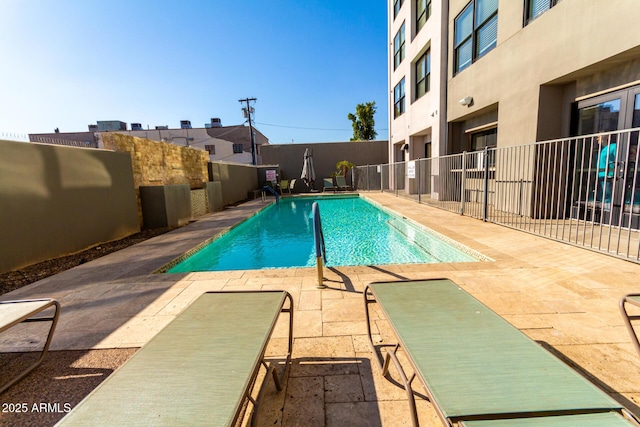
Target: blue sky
x=69, y=63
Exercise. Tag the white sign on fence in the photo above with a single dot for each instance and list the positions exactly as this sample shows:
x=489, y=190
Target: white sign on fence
x=271, y=174
x=411, y=169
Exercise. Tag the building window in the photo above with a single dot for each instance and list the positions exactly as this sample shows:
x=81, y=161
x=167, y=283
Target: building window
x=237, y=148
x=423, y=12
x=423, y=74
x=535, y=8
x=398, y=99
x=210, y=148
x=398, y=47
x=487, y=138
x=476, y=32
x=397, y=4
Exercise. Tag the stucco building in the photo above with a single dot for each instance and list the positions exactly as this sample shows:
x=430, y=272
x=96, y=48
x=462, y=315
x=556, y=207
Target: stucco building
x=417, y=78
x=505, y=73
x=223, y=143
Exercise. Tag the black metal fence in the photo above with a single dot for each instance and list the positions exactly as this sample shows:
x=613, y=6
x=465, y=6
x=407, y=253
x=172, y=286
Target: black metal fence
x=582, y=190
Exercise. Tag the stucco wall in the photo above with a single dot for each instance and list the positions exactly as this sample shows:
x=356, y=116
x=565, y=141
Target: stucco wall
x=325, y=157
x=57, y=200
x=236, y=180
x=159, y=163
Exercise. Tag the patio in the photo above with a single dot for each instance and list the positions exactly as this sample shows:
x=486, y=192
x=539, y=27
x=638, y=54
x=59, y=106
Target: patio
x=562, y=296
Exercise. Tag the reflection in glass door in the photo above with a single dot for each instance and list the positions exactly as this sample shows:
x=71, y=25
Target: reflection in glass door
x=602, y=117
x=606, y=176
x=632, y=175
x=595, y=172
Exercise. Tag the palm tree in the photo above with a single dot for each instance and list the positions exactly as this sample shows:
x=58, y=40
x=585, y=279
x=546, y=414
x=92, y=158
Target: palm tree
x=344, y=166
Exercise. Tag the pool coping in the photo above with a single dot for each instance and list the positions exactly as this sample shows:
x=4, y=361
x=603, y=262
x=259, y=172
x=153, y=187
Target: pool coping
x=471, y=252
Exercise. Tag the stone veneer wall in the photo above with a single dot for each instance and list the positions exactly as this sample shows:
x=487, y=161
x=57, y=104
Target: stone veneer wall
x=198, y=203
x=159, y=163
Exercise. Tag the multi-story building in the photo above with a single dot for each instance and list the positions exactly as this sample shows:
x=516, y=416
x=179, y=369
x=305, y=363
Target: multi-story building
x=514, y=72
x=531, y=68
x=468, y=73
x=417, y=78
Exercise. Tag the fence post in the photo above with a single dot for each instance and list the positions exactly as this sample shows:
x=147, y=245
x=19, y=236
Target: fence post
x=463, y=183
x=368, y=182
x=395, y=179
x=485, y=201
x=353, y=178
x=418, y=177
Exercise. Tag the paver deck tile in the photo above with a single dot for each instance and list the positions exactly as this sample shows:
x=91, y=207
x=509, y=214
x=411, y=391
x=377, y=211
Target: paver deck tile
x=562, y=296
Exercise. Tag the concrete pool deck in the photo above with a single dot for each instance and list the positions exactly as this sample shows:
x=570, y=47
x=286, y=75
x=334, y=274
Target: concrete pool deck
x=561, y=296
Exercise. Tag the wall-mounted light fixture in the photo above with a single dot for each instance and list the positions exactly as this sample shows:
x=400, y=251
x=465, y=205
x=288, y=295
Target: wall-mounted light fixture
x=466, y=101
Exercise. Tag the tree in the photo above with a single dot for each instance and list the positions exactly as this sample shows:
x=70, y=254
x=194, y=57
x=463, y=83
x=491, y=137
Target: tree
x=344, y=166
x=363, y=122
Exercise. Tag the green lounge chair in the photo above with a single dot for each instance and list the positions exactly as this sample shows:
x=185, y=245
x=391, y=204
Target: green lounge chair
x=199, y=370
x=328, y=185
x=15, y=312
x=478, y=369
x=341, y=184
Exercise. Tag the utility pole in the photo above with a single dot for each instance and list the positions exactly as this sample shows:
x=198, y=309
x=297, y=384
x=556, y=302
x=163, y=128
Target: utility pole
x=248, y=112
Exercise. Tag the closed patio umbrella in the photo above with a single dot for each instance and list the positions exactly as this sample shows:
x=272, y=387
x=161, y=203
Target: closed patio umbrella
x=308, y=173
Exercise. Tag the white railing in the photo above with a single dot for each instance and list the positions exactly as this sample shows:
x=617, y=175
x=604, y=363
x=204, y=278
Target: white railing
x=583, y=190
x=14, y=136
x=62, y=141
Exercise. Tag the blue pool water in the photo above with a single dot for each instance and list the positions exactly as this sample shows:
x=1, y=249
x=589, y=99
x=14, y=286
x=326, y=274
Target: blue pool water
x=356, y=233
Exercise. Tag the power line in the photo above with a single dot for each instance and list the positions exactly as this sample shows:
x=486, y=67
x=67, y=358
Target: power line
x=303, y=128
x=295, y=127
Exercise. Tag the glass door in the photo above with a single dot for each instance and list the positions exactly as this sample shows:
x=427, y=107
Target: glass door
x=630, y=167
x=595, y=175
x=607, y=174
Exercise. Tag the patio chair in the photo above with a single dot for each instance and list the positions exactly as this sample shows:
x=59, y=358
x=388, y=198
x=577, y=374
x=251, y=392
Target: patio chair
x=341, y=183
x=283, y=185
x=199, y=370
x=286, y=185
x=477, y=369
x=328, y=185
x=15, y=312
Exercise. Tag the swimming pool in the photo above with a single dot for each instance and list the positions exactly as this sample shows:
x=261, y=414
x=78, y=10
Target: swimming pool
x=356, y=233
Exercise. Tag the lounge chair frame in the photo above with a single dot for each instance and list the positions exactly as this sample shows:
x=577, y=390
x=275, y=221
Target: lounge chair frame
x=625, y=301
x=390, y=356
x=271, y=371
x=244, y=399
x=11, y=319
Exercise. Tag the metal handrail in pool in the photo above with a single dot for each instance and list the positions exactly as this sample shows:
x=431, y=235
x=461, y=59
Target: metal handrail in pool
x=275, y=193
x=318, y=237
